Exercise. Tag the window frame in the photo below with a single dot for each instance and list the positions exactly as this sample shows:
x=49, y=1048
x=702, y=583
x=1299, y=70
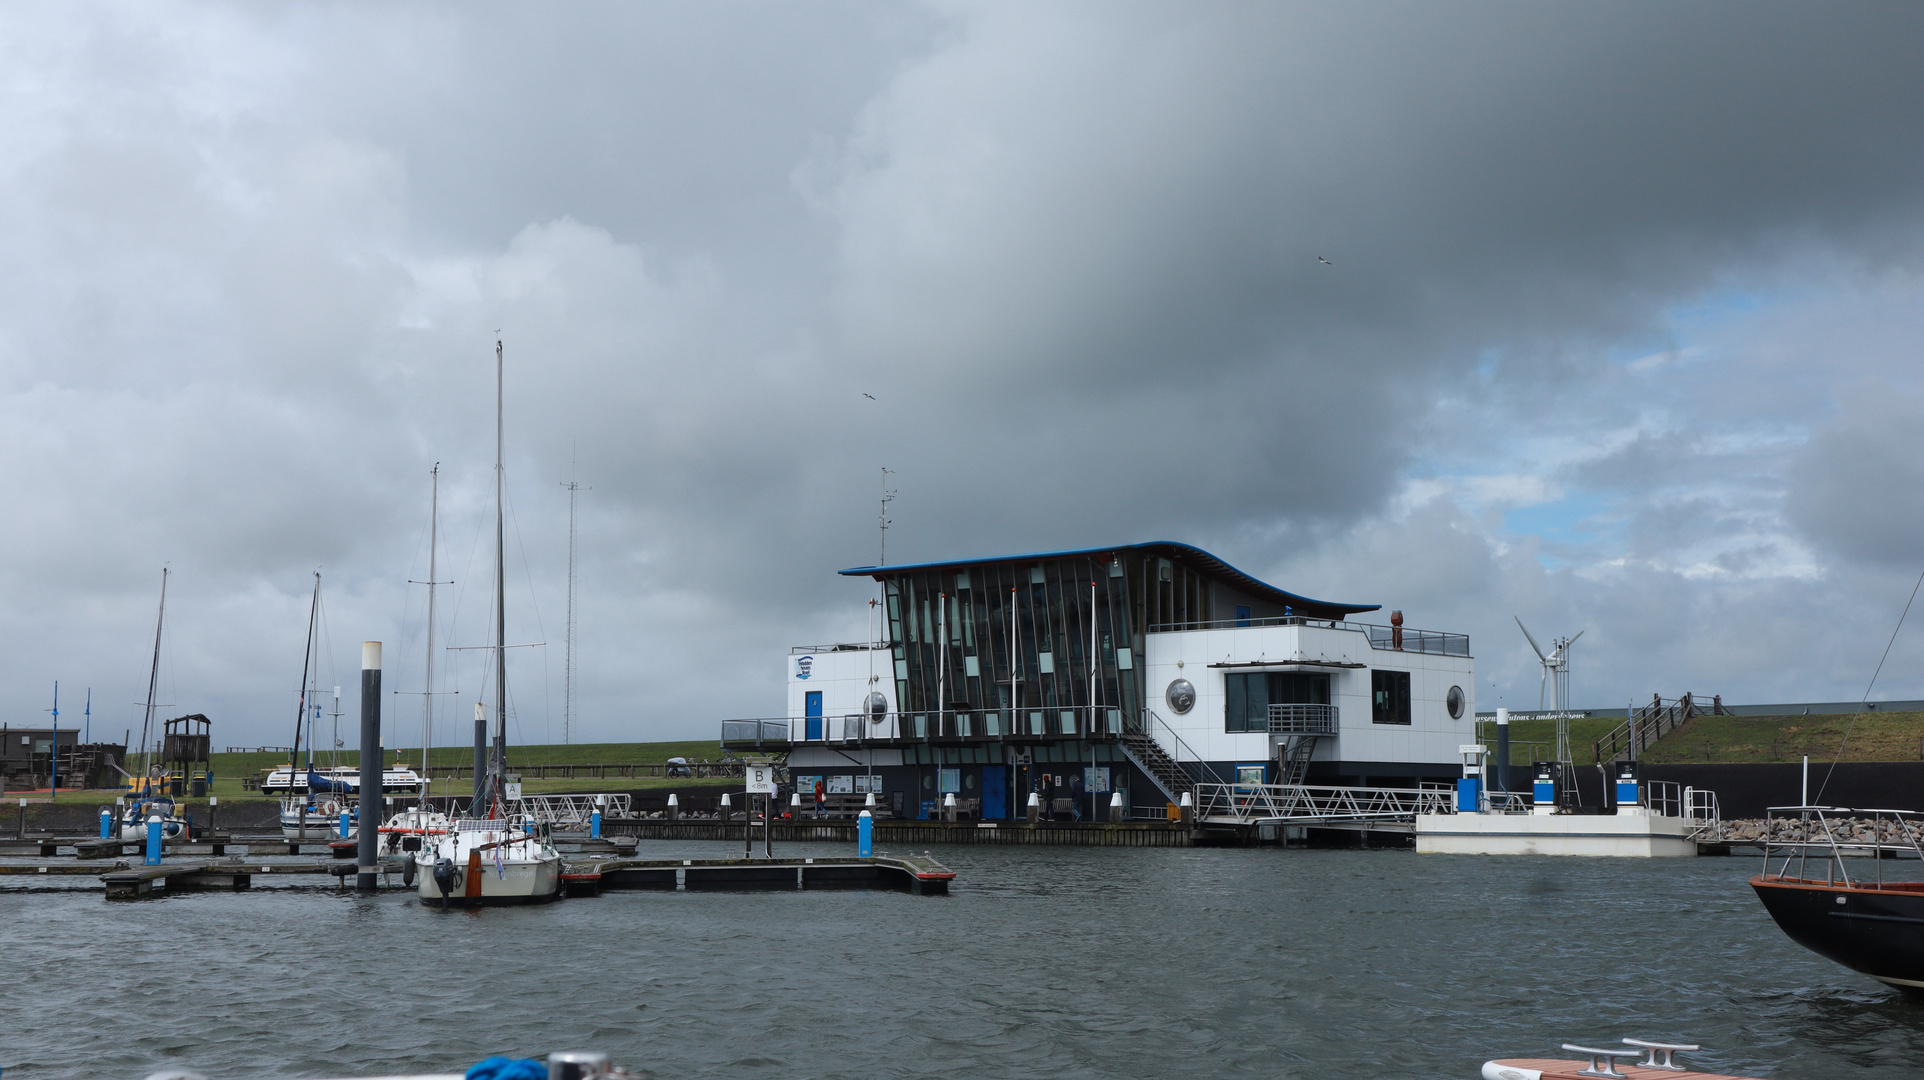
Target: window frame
x=1390, y=697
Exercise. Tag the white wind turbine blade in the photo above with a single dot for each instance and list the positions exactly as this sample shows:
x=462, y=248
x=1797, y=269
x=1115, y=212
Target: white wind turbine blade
x=1531, y=640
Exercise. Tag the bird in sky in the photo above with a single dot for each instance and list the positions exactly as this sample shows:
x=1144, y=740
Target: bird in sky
x=1324, y=261
x=871, y=397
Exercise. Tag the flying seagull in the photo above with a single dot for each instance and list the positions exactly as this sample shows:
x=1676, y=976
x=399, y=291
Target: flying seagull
x=1324, y=261
x=871, y=397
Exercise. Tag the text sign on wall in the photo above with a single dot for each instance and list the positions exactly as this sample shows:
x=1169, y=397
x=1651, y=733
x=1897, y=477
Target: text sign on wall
x=761, y=779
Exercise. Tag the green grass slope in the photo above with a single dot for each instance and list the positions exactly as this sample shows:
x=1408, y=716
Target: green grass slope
x=1874, y=736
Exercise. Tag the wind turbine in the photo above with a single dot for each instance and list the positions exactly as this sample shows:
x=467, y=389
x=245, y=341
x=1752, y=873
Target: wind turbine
x=1556, y=666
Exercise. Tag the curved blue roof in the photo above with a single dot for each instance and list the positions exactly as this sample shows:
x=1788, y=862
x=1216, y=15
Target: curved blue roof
x=1202, y=561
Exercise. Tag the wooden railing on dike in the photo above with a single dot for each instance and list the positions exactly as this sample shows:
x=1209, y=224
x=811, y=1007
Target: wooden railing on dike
x=1652, y=722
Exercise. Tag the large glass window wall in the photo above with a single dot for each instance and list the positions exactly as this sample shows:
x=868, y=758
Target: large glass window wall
x=1003, y=649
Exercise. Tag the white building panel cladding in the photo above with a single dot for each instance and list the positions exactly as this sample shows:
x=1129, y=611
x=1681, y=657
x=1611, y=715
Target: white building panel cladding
x=1024, y=665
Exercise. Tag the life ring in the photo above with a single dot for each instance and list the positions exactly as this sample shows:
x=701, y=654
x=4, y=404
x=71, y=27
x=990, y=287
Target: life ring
x=330, y=810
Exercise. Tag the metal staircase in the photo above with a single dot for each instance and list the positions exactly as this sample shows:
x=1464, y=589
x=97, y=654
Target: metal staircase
x=1295, y=760
x=1174, y=776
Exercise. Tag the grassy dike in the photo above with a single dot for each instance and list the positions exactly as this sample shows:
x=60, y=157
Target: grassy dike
x=230, y=769
x=1874, y=736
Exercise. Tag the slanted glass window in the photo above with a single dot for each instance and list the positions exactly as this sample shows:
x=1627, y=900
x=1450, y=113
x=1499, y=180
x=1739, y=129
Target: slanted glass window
x=1389, y=697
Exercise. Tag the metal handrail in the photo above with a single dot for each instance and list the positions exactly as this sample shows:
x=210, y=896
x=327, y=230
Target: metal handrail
x=1151, y=722
x=1381, y=638
x=1816, y=829
x=1299, y=803
x=1303, y=719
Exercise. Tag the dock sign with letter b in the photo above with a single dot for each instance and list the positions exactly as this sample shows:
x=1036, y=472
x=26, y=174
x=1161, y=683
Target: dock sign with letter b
x=761, y=779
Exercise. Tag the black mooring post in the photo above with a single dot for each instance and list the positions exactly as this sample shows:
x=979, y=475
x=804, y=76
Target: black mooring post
x=371, y=755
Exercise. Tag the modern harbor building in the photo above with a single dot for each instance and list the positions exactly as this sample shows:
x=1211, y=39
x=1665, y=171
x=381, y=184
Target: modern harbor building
x=1141, y=669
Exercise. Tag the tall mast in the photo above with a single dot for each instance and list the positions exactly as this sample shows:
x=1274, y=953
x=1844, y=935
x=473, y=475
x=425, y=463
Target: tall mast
x=300, y=711
x=498, y=766
x=153, y=676
x=434, y=577
x=568, y=674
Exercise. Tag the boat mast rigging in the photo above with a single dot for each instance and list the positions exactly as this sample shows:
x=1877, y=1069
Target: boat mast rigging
x=497, y=766
x=300, y=711
x=153, y=680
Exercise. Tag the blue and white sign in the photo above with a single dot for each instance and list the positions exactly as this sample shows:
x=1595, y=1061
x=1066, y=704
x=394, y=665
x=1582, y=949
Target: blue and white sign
x=803, y=665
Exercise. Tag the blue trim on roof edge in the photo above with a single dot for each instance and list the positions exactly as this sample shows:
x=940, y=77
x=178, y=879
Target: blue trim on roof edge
x=1210, y=563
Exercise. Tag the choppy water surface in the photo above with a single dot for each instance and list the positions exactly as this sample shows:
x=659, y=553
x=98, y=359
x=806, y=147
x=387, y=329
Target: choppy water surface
x=1056, y=962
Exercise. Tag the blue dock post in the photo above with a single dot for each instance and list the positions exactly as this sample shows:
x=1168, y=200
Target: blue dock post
x=865, y=834
x=594, y=819
x=106, y=820
x=345, y=819
x=153, y=840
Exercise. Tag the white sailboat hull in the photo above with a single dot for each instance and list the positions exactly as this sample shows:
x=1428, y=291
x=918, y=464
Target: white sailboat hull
x=491, y=869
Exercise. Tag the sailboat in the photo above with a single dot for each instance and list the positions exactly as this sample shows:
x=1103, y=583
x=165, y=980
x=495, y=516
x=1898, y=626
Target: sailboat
x=409, y=832
x=493, y=856
x=314, y=803
x=149, y=797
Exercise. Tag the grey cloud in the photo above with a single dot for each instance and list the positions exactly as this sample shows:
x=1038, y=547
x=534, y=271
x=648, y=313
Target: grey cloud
x=1858, y=486
x=1071, y=250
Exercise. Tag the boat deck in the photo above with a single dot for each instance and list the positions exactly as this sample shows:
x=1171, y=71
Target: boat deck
x=1553, y=1069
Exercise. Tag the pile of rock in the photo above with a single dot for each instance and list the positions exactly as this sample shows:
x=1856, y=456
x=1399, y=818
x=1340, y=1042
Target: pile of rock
x=1843, y=830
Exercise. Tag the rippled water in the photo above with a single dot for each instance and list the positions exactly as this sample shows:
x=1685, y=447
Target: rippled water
x=1058, y=962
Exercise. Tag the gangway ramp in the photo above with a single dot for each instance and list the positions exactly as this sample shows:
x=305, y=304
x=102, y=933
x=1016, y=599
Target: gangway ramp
x=1384, y=809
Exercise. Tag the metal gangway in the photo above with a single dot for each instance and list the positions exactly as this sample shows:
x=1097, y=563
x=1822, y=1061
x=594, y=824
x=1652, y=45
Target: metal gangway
x=1393, y=809
x=571, y=812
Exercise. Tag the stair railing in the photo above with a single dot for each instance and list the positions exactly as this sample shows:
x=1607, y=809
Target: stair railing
x=1164, y=738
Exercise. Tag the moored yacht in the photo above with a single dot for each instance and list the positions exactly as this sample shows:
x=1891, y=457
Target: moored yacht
x=493, y=857
x=485, y=862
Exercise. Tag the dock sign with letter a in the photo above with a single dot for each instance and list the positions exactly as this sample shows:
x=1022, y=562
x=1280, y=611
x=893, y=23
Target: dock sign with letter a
x=761, y=779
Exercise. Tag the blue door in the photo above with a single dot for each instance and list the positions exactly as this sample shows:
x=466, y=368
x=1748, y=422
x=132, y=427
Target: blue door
x=814, y=713
x=995, y=792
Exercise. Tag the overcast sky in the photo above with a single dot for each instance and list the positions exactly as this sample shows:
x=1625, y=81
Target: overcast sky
x=1619, y=332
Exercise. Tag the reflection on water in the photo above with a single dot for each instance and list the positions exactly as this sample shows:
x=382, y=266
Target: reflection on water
x=1064, y=962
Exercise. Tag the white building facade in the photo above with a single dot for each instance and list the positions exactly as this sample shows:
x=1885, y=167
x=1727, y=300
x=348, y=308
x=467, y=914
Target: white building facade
x=1132, y=670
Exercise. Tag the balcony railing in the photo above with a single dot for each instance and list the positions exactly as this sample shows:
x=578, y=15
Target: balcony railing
x=987, y=724
x=1381, y=638
x=1302, y=719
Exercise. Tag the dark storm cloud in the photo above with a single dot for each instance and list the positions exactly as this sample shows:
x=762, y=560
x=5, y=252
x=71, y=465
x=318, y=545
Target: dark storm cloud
x=260, y=254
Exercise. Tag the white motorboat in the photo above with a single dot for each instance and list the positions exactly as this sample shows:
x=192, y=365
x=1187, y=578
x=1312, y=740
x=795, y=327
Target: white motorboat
x=394, y=779
x=485, y=862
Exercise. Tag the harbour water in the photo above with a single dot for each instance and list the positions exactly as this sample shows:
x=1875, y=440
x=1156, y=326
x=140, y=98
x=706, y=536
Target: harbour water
x=1057, y=962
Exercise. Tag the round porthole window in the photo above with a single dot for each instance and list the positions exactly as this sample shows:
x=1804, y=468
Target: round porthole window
x=928, y=782
x=969, y=781
x=877, y=706
x=1455, y=702
x=1181, y=695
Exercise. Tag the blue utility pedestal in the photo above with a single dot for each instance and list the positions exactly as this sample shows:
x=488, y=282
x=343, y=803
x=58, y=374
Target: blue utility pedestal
x=865, y=834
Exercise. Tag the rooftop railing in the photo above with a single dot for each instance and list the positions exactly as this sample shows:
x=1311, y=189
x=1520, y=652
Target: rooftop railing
x=1381, y=638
